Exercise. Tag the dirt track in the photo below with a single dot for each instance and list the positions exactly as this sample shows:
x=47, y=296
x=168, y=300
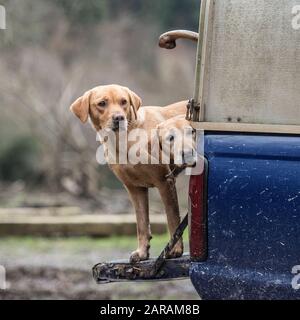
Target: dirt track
x=54, y=283
x=61, y=269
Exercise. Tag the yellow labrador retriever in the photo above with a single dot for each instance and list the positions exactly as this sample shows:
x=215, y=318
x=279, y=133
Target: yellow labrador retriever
x=117, y=109
x=177, y=139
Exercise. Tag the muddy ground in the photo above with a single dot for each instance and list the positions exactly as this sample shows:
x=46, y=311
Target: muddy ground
x=39, y=268
x=60, y=268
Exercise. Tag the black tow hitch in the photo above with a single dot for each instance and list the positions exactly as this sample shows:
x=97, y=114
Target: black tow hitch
x=150, y=270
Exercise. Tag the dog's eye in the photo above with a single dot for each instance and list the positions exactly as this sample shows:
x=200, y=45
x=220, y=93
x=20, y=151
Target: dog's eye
x=102, y=103
x=189, y=131
x=123, y=102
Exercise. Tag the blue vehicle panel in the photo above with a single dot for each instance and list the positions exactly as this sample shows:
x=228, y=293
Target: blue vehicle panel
x=253, y=218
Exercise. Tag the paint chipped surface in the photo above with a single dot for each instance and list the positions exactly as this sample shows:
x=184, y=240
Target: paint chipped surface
x=253, y=215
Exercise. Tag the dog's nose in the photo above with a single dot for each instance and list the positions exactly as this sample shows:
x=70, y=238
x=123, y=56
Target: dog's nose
x=118, y=118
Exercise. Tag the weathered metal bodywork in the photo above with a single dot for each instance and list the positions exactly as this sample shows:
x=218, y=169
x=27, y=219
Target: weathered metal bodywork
x=251, y=63
x=253, y=217
x=249, y=95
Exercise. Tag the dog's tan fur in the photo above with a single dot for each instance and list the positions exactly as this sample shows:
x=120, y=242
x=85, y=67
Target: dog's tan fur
x=122, y=102
x=175, y=128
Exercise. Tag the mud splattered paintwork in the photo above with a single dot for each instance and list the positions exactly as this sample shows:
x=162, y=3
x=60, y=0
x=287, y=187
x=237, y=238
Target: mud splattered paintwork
x=253, y=218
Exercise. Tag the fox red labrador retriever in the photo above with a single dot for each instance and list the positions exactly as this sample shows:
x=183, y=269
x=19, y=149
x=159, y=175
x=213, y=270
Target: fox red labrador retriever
x=117, y=109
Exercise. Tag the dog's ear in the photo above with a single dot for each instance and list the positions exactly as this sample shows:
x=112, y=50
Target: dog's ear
x=81, y=107
x=135, y=101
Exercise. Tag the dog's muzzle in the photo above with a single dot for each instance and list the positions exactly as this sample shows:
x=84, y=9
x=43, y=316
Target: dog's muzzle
x=189, y=158
x=119, y=122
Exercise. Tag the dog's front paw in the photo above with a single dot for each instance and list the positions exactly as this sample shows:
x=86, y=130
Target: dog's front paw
x=177, y=251
x=138, y=256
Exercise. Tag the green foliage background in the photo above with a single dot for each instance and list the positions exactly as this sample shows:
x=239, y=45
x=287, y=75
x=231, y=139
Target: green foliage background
x=167, y=13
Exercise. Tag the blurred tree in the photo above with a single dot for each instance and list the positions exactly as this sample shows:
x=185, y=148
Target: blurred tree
x=80, y=14
x=167, y=13
x=20, y=160
x=174, y=13
x=84, y=12
x=54, y=50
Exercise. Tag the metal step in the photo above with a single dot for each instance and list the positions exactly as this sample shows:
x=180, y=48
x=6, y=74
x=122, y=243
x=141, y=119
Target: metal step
x=123, y=270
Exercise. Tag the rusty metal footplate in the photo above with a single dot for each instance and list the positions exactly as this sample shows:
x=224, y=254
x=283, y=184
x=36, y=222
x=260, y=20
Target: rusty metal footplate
x=160, y=268
x=143, y=271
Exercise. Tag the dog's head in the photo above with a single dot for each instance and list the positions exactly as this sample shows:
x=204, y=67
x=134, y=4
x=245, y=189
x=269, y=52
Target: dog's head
x=108, y=107
x=177, y=140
